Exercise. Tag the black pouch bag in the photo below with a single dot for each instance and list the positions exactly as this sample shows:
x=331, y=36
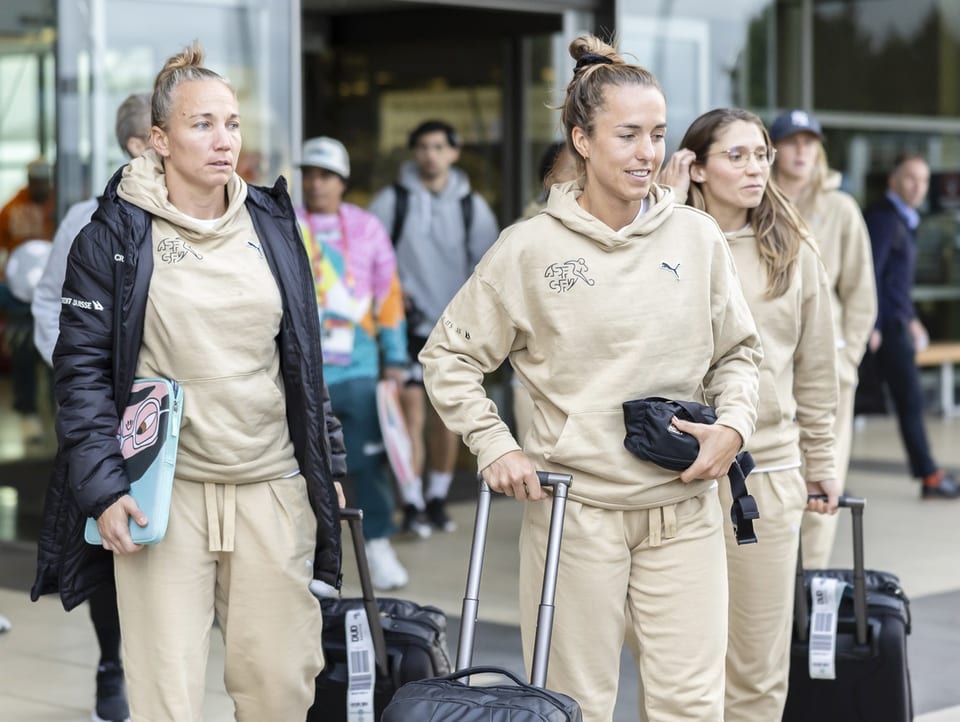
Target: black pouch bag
x=651, y=436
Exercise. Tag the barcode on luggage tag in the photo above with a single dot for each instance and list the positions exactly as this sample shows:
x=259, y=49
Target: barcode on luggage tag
x=359, y=667
x=820, y=632
x=825, y=594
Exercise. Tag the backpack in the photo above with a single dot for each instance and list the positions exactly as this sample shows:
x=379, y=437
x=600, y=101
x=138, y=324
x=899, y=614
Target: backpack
x=400, y=213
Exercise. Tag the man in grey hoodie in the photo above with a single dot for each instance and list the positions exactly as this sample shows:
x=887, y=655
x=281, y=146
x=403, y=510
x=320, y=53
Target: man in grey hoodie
x=440, y=228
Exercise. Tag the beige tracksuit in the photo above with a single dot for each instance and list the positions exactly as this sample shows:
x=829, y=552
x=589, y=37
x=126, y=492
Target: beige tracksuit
x=591, y=317
x=798, y=387
x=240, y=540
x=837, y=223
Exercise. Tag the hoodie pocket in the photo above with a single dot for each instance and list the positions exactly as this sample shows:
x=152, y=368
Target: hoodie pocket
x=593, y=441
x=770, y=410
x=234, y=417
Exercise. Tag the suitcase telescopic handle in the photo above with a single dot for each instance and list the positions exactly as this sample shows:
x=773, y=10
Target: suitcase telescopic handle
x=801, y=610
x=354, y=519
x=468, y=617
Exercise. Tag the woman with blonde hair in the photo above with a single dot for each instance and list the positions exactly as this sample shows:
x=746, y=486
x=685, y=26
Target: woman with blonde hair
x=254, y=510
x=833, y=216
x=611, y=294
x=723, y=168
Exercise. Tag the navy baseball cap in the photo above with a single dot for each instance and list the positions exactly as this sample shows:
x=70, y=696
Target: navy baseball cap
x=794, y=121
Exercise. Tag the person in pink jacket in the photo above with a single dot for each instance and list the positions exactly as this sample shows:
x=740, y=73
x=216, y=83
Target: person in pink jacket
x=362, y=319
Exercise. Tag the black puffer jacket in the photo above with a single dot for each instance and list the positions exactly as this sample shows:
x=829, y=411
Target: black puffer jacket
x=94, y=365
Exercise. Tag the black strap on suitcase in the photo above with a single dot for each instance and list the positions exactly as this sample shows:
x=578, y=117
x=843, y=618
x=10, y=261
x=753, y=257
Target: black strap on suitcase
x=450, y=696
x=409, y=642
x=872, y=681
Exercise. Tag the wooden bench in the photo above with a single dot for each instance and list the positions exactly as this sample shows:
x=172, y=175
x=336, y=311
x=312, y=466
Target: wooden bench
x=943, y=354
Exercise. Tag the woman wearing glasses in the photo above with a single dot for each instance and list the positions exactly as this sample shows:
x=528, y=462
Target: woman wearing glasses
x=724, y=167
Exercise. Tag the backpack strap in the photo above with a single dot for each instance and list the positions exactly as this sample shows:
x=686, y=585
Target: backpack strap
x=401, y=201
x=466, y=206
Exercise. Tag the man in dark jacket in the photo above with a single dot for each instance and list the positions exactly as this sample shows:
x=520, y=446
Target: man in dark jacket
x=898, y=333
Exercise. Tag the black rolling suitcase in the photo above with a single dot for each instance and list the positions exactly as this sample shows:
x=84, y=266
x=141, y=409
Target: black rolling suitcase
x=872, y=681
x=451, y=697
x=396, y=641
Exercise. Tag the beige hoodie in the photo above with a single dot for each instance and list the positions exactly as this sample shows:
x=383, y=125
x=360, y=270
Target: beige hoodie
x=837, y=223
x=798, y=376
x=212, y=318
x=591, y=317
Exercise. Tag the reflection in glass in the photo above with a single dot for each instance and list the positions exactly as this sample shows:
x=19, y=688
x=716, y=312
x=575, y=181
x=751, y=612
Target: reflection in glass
x=8, y=513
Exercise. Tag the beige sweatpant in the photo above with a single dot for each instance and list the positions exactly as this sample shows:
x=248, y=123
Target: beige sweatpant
x=818, y=531
x=762, y=579
x=241, y=554
x=654, y=579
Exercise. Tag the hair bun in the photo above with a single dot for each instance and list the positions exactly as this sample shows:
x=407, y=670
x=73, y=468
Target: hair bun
x=592, y=59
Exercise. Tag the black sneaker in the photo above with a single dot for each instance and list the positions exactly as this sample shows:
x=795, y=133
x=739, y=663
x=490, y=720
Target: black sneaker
x=437, y=515
x=111, y=695
x=414, y=522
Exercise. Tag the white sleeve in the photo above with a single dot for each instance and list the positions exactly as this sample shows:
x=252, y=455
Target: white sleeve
x=46, y=298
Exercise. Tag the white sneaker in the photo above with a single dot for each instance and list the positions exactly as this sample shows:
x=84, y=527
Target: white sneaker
x=4, y=624
x=32, y=429
x=386, y=571
x=322, y=590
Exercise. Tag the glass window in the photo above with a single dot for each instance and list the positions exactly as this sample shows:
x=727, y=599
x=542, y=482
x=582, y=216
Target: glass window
x=106, y=55
x=26, y=110
x=705, y=54
x=373, y=94
x=875, y=56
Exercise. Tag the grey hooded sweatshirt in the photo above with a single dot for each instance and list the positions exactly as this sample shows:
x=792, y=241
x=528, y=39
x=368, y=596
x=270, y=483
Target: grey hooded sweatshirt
x=434, y=256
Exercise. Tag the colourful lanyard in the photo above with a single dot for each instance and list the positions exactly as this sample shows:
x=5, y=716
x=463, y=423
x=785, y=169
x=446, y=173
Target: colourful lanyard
x=348, y=277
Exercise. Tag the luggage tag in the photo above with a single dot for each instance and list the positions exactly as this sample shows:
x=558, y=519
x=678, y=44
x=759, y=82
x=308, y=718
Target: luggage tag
x=360, y=667
x=825, y=593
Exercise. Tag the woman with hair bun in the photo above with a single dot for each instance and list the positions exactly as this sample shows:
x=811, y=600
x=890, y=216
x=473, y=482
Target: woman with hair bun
x=201, y=278
x=612, y=293
x=724, y=167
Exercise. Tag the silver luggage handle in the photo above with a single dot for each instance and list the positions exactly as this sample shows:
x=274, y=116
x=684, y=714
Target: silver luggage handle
x=468, y=616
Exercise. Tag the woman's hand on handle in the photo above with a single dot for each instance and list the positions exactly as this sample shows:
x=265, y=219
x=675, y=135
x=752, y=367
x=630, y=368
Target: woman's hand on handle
x=514, y=474
x=831, y=489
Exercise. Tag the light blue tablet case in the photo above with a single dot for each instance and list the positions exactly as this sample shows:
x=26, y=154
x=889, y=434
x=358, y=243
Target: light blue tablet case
x=149, y=434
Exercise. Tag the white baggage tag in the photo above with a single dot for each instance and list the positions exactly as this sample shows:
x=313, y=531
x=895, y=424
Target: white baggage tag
x=825, y=593
x=360, y=667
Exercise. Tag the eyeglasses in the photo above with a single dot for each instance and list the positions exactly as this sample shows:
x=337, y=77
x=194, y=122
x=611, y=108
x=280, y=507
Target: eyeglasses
x=740, y=156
